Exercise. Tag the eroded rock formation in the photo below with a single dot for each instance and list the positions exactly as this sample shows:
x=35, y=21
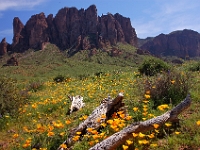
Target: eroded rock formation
x=73, y=29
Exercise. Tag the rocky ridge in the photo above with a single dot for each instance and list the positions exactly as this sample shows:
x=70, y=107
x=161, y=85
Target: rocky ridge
x=71, y=29
x=183, y=44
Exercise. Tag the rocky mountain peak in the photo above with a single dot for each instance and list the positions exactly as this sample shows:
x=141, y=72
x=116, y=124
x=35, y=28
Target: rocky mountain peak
x=72, y=29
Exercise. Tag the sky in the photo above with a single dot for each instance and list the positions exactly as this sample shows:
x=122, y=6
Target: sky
x=149, y=17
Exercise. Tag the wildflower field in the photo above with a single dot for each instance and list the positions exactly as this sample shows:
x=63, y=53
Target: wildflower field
x=41, y=121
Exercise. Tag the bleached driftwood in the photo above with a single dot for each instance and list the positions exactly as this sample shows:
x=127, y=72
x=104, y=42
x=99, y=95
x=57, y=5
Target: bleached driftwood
x=77, y=103
x=106, y=109
x=120, y=137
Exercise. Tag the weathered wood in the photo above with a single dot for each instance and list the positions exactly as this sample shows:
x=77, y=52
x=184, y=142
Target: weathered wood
x=106, y=108
x=120, y=137
x=77, y=103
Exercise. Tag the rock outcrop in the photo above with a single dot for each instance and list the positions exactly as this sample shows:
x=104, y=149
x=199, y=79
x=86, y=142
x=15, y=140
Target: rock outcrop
x=73, y=29
x=3, y=47
x=183, y=44
x=11, y=62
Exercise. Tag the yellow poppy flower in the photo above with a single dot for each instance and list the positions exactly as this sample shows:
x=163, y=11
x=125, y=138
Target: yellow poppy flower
x=125, y=147
x=128, y=117
x=172, y=81
x=62, y=133
x=145, y=109
x=75, y=138
x=147, y=96
x=144, y=119
x=129, y=142
x=141, y=135
x=49, y=134
x=176, y=132
x=15, y=135
x=145, y=101
x=103, y=124
x=85, y=117
x=153, y=145
x=151, y=136
x=78, y=133
x=135, y=109
x=141, y=142
x=67, y=122
x=168, y=124
x=135, y=134
x=148, y=92
x=145, y=113
x=198, y=123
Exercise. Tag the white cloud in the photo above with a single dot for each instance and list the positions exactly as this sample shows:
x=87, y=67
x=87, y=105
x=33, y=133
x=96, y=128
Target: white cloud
x=168, y=16
x=6, y=32
x=19, y=4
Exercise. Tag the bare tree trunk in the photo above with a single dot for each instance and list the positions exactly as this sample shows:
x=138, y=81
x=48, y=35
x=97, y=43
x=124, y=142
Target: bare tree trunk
x=120, y=137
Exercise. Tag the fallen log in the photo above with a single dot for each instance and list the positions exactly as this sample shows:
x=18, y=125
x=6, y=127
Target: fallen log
x=107, y=107
x=120, y=137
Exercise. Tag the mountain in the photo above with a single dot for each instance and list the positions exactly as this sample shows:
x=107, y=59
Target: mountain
x=70, y=29
x=183, y=44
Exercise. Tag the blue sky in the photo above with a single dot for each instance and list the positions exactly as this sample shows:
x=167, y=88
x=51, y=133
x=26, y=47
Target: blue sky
x=148, y=17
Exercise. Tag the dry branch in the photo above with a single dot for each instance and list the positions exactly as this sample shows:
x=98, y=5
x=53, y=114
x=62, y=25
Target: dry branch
x=120, y=137
x=107, y=108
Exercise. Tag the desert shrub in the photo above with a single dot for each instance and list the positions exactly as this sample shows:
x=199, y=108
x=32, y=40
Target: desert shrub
x=100, y=74
x=83, y=76
x=59, y=78
x=169, y=88
x=177, y=61
x=152, y=66
x=35, y=86
x=10, y=98
x=194, y=67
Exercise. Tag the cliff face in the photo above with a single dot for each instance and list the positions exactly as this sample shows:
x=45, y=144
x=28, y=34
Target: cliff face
x=73, y=29
x=185, y=43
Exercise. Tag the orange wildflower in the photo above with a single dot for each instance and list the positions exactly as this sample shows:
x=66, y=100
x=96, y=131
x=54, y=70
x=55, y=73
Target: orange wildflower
x=63, y=146
x=49, y=134
x=67, y=122
x=15, y=135
x=147, y=96
x=198, y=123
x=155, y=125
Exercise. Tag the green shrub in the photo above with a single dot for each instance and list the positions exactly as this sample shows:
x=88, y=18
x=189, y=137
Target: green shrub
x=83, y=76
x=59, y=78
x=35, y=86
x=169, y=88
x=152, y=66
x=10, y=98
x=195, y=66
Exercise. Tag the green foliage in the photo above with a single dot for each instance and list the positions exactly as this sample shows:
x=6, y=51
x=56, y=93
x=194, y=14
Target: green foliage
x=94, y=77
x=194, y=66
x=152, y=66
x=59, y=78
x=169, y=88
x=10, y=98
x=35, y=86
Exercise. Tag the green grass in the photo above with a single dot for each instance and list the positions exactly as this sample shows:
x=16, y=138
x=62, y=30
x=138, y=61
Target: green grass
x=94, y=78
